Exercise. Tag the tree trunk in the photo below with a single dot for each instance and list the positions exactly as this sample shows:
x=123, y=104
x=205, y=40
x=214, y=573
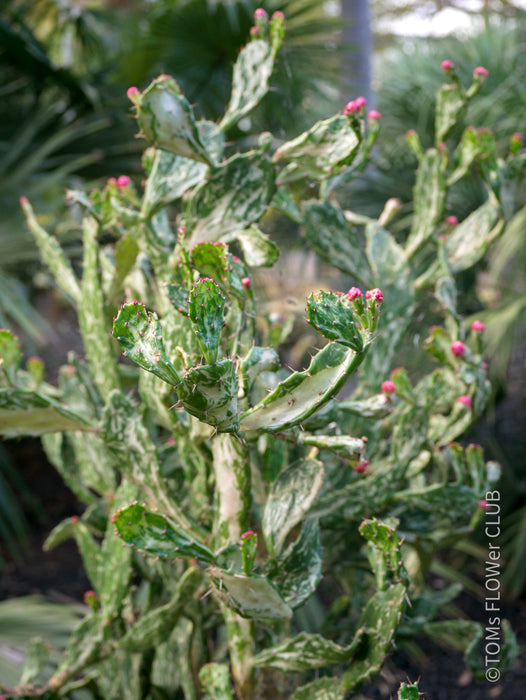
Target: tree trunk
x=357, y=57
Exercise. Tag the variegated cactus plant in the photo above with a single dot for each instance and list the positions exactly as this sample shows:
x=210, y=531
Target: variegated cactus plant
x=223, y=489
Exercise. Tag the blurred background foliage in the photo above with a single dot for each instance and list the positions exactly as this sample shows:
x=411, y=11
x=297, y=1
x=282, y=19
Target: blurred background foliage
x=65, y=66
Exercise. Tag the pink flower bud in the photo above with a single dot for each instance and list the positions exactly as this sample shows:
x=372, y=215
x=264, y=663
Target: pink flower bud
x=481, y=71
x=351, y=107
x=123, y=181
x=478, y=326
x=361, y=102
x=248, y=533
x=458, y=348
x=132, y=93
x=362, y=466
x=112, y=181
x=451, y=221
x=353, y=293
x=74, y=518
x=447, y=65
x=464, y=400
x=246, y=282
x=254, y=31
x=375, y=294
x=278, y=15
x=483, y=504
x=90, y=598
x=23, y=200
x=260, y=13
x=388, y=387
x=516, y=142
x=374, y=115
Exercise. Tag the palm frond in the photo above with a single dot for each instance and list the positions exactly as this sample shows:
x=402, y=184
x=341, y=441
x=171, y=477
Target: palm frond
x=23, y=619
x=198, y=43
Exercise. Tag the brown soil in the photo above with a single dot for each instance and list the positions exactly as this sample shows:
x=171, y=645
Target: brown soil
x=60, y=571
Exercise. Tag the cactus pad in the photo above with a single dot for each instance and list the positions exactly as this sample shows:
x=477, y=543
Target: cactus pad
x=249, y=596
x=235, y=195
x=332, y=316
x=325, y=149
x=303, y=393
x=167, y=120
x=139, y=335
x=211, y=259
x=153, y=534
x=291, y=496
x=209, y=392
x=206, y=309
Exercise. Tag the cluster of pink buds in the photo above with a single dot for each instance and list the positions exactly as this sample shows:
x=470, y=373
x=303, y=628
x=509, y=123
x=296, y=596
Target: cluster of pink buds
x=355, y=106
x=356, y=299
x=480, y=72
x=353, y=293
x=121, y=182
x=260, y=28
x=374, y=115
x=367, y=308
x=451, y=221
x=447, y=65
x=374, y=294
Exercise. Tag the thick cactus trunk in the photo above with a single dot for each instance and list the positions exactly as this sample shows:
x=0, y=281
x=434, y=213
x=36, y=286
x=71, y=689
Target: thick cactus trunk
x=232, y=473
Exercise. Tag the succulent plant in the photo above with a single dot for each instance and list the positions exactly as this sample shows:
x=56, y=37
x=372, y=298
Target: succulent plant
x=210, y=467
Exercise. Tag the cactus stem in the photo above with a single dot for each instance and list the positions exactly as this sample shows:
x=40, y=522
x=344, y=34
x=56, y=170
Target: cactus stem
x=233, y=484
